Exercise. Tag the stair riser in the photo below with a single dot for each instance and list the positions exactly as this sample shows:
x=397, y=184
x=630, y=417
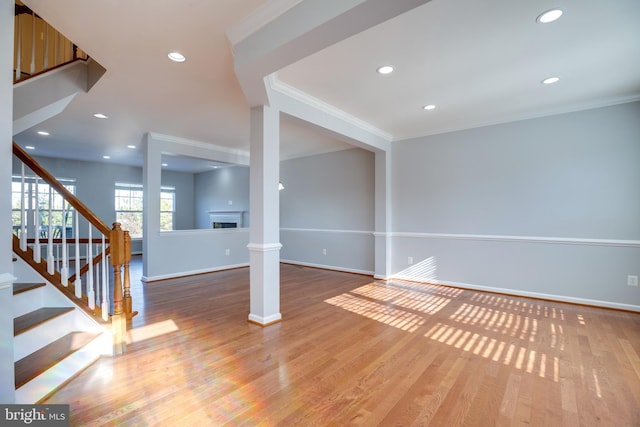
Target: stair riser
x=36, y=338
x=48, y=381
x=29, y=301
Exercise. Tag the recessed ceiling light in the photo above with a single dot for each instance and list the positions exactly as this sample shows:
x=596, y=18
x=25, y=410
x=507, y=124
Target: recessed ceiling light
x=131, y=146
x=429, y=107
x=165, y=164
x=549, y=16
x=106, y=157
x=29, y=147
x=43, y=133
x=550, y=80
x=385, y=69
x=100, y=116
x=176, y=57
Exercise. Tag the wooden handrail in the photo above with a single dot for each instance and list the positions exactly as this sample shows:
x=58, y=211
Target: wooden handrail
x=54, y=279
x=58, y=240
x=85, y=268
x=64, y=50
x=55, y=67
x=68, y=196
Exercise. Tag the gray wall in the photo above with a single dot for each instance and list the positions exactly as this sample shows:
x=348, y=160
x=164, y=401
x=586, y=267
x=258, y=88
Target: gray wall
x=546, y=207
x=328, y=203
x=225, y=189
x=95, y=183
x=185, y=201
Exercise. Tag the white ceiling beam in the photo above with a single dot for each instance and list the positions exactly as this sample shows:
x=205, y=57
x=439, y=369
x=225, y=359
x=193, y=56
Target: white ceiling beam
x=301, y=30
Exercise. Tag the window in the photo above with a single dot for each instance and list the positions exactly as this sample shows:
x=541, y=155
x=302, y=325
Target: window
x=128, y=199
x=167, y=208
x=40, y=197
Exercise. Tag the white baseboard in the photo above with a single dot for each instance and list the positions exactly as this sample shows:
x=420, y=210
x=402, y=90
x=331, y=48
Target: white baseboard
x=192, y=273
x=328, y=267
x=540, y=295
x=265, y=320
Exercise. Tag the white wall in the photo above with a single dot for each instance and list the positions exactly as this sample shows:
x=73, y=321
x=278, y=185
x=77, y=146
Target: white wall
x=543, y=207
x=7, y=386
x=184, y=252
x=328, y=203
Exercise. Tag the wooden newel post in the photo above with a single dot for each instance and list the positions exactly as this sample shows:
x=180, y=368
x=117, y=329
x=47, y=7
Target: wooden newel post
x=118, y=319
x=127, y=306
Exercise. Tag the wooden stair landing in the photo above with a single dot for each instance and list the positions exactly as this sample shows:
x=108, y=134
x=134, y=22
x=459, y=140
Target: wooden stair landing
x=38, y=362
x=37, y=317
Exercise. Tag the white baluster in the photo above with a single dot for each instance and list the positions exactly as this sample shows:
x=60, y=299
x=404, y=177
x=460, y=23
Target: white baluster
x=64, y=270
x=59, y=49
x=90, y=291
x=33, y=43
x=19, y=50
x=105, y=282
x=50, y=259
x=78, y=282
x=23, y=214
x=37, y=250
x=46, y=46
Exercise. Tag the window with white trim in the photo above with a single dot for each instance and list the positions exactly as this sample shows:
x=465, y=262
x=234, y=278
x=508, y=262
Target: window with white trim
x=167, y=208
x=36, y=193
x=129, y=202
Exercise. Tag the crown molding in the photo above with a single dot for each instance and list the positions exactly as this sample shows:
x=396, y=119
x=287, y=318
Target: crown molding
x=300, y=96
x=522, y=117
x=199, y=144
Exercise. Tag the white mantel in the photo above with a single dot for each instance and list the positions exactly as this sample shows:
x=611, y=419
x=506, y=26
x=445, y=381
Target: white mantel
x=226, y=216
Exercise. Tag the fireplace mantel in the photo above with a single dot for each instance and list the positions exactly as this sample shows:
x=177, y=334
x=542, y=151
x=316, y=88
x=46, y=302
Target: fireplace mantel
x=227, y=218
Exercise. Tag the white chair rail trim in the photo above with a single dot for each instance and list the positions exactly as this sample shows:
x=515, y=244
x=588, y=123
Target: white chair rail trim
x=522, y=239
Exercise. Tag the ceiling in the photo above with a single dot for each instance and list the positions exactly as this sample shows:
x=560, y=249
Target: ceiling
x=480, y=63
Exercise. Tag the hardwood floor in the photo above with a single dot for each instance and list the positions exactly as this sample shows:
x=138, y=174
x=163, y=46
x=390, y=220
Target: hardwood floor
x=354, y=351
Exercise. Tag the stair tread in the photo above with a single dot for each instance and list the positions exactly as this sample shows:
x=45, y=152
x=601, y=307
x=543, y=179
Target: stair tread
x=39, y=361
x=30, y=320
x=18, y=288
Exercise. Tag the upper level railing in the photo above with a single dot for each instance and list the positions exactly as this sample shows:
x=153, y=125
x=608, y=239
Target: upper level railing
x=38, y=46
x=71, y=246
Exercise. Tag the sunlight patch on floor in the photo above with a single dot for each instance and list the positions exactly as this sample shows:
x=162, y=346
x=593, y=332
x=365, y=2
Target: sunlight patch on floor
x=423, y=271
x=151, y=331
x=494, y=327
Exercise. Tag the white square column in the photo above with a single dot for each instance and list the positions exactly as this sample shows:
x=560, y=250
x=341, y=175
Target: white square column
x=264, y=233
x=382, y=234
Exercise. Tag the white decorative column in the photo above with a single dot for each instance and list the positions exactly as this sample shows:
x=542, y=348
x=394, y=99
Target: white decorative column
x=382, y=234
x=264, y=233
x=7, y=385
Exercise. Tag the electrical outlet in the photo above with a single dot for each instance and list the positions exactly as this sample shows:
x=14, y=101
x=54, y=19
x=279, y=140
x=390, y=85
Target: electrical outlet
x=324, y=252
x=410, y=260
x=632, y=280
x=227, y=251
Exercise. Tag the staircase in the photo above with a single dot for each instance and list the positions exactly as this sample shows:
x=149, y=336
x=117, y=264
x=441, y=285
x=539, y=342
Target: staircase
x=67, y=312
x=54, y=339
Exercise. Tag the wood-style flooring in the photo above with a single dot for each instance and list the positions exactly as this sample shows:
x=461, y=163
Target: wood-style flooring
x=354, y=351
